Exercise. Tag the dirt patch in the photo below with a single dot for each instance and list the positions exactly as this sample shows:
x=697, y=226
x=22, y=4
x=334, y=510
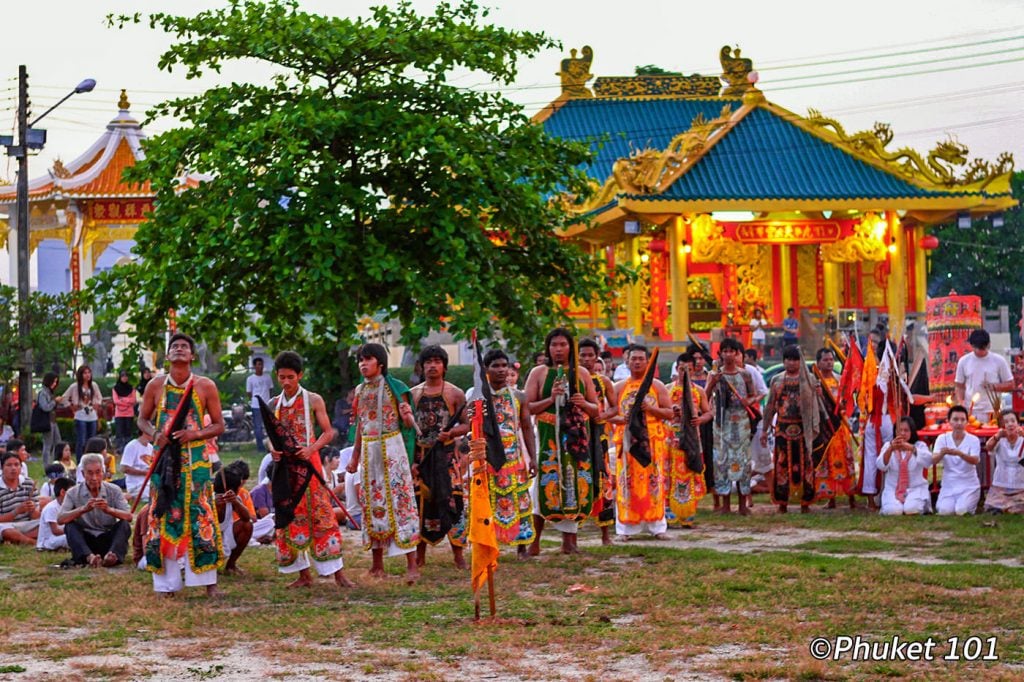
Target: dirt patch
x=788, y=539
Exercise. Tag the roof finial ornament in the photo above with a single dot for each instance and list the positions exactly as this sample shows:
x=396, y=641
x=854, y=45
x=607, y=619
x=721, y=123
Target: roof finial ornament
x=736, y=72
x=575, y=73
x=123, y=104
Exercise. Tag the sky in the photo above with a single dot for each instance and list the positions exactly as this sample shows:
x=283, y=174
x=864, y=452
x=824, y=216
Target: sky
x=826, y=55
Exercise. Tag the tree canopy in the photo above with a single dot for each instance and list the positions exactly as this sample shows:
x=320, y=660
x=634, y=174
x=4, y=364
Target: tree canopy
x=983, y=260
x=358, y=179
x=51, y=330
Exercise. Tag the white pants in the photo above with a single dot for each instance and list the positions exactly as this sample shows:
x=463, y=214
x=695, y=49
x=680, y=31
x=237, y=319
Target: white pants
x=918, y=501
x=957, y=502
x=322, y=567
x=227, y=529
x=652, y=527
x=872, y=448
x=54, y=542
x=261, y=528
x=170, y=579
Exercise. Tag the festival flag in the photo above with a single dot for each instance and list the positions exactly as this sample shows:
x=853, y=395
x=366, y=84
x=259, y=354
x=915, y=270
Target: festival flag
x=868, y=377
x=290, y=476
x=636, y=440
x=489, y=420
x=850, y=380
x=484, y=558
x=574, y=426
x=689, y=435
x=167, y=462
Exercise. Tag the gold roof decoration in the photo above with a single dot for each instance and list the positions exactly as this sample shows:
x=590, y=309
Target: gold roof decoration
x=123, y=102
x=575, y=73
x=867, y=243
x=649, y=171
x=736, y=72
x=59, y=171
x=940, y=166
x=662, y=85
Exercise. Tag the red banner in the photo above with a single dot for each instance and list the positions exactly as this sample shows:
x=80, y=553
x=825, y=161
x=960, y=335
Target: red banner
x=120, y=210
x=787, y=232
x=951, y=319
x=76, y=286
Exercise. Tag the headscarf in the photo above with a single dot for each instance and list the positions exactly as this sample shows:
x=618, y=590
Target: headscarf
x=121, y=387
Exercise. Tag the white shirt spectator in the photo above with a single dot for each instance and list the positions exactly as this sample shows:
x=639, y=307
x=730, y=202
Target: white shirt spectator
x=24, y=472
x=46, y=539
x=621, y=372
x=137, y=455
x=261, y=475
x=974, y=372
x=1009, y=473
x=259, y=385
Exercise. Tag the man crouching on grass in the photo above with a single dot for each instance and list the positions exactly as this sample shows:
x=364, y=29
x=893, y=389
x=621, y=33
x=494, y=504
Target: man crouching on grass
x=95, y=517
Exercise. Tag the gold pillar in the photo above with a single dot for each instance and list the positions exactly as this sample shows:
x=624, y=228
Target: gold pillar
x=785, y=281
x=920, y=271
x=830, y=275
x=677, y=280
x=595, y=310
x=634, y=313
x=897, y=289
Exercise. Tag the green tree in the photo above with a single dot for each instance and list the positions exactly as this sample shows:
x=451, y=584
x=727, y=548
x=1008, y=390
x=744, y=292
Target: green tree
x=51, y=331
x=983, y=260
x=357, y=180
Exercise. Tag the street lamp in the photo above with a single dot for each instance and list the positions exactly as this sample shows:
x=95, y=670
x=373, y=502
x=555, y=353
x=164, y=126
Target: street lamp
x=28, y=139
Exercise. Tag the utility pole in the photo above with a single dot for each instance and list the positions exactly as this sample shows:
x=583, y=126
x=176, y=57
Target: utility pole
x=24, y=328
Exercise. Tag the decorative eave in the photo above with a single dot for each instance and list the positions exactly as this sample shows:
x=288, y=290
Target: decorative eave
x=95, y=174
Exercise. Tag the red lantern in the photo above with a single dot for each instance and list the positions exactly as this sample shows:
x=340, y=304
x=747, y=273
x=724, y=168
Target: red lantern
x=929, y=242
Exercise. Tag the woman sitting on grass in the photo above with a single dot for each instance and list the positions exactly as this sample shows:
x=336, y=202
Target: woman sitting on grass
x=904, y=460
x=1006, y=495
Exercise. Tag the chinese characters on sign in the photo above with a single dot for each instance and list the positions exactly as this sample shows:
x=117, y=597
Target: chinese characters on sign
x=786, y=232
x=120, y=210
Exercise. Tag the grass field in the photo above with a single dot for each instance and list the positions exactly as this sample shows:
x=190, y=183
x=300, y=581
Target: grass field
x=735, y=599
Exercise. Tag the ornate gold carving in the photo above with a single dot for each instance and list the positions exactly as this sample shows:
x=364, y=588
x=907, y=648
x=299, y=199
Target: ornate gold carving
x=872, y=294
x=59, y=171
x=867, y=243
x=807, y=277
x=711, y=246
x=937, y=168
x=735, y=72
x=654, y=86
x=754, y=285
x=649, y=171
x=123, y=103
x=575, y=73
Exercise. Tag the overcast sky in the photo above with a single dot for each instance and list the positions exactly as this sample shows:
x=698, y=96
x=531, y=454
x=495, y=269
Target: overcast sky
x=63, y=41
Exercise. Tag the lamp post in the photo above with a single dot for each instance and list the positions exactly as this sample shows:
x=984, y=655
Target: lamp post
x=28, y=139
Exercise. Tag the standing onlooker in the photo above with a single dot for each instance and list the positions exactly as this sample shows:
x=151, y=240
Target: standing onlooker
x=47, y=401
x=86, y=400
x=258, y=384
x=757, y=324
x=790, y=329
x=147, y=374
x=977, y=374
x=125, y=400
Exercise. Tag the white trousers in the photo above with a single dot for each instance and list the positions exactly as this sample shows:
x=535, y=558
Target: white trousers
x=652, y=527
x=170, y=579
x=917, y=501
x=872, y=448
x=957, y=502
x=302, y=562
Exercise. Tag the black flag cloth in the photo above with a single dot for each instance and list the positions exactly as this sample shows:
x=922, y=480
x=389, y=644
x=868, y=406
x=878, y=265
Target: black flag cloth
x=495, y=449
x=290, y=476
x=574, y=428
x=169, y=459
x=689, y=435
x=636, y=424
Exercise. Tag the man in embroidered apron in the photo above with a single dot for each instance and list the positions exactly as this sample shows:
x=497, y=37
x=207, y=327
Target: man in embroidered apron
x=603, y=511
x=384, y=444
x=565, y=482
x=183, y=527
x=313, y=536
x=437, y=405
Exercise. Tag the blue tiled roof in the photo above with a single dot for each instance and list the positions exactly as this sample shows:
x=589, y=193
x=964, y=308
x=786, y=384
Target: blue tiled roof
x=762, y=157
